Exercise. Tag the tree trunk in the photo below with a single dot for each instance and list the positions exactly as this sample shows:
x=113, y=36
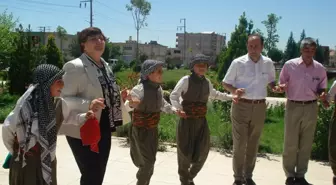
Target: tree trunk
x=137, y=49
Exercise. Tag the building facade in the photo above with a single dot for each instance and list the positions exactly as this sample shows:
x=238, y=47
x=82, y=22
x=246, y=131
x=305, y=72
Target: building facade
x=153, y=50
x=41, y=38
x=207, y=43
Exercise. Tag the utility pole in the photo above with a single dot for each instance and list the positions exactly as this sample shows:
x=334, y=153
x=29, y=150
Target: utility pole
x=91, y=9
x=43, y=30
x=185, y=37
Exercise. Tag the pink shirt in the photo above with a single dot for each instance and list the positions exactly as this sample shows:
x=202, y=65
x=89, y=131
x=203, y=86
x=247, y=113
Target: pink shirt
x=303, y=82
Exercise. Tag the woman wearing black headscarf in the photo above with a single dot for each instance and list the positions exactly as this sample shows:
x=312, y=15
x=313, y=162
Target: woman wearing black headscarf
x=30, y=133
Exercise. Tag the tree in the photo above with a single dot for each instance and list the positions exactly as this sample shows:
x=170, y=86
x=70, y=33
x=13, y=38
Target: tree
x=291, y=49
x=21, y=63
x=7, y=38
x=319, y=55
x=275, y=54
x=106, y=54
x=272, y=37
x=140, y=10
x=143, y=57
x=115, y=51
x=236, y=45
x=61, y=32
x=53, y=54
x=302, y=36
x=75, y=49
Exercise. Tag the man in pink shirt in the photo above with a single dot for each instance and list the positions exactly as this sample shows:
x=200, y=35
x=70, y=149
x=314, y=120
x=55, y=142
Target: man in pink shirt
x=305, y=80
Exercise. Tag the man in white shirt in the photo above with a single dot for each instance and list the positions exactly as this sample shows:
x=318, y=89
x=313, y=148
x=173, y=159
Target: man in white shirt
x=247, y=79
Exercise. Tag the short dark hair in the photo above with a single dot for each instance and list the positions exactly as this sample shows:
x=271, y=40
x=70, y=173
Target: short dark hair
x=256, y=35
x=308, y=41
x=86, y=33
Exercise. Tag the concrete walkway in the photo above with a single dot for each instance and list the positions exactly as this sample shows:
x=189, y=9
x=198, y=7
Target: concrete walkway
x=217, y=170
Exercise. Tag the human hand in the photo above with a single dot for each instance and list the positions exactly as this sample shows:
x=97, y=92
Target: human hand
x=97, y=104
x=238, y=94
x=90, y=115
x=279, y=88
x=133, y=101
x=181, y=113
x=124, y=93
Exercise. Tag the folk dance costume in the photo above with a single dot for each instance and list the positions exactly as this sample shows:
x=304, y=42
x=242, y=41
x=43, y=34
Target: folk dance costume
x=30, y=132
x=145, y=120
x=193, y=136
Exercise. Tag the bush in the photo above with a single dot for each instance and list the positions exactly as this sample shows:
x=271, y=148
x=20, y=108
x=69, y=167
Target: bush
x=7, y=105
x=169, y=85
x=320, y=145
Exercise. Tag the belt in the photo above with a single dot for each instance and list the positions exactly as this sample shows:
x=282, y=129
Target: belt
x=303, y=102
x=252, y=101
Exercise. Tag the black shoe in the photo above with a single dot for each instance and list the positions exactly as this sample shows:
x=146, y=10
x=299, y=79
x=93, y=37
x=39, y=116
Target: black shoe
x=238, y=182
x=290, y=181
x=191, y=183
x=334, y=181
x=301, y=181
x=249, y=182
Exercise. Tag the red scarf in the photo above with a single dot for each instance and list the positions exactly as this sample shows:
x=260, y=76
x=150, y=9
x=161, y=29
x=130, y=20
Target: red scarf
x=90, y=134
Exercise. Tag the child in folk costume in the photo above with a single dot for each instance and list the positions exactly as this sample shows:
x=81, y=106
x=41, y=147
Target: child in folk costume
x=30, y=132
x=331, y=98
x=193, y=137
x=147, y=100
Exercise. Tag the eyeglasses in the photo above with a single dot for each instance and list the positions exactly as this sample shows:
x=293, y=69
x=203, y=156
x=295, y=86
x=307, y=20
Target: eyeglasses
x=96, y=38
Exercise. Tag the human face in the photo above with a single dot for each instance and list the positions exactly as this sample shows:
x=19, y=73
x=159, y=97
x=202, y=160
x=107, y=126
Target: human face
x=254, y=48
x=307, y=53
x=95, y=45
x=201, y=68
x=56, y=88
x=156, y=76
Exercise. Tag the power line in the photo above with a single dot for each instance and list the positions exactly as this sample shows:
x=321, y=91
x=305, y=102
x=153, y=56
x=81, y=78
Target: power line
x=115, y=10
x=39, y=11
x=185, y=36
x=91, y=9
x=49, y=4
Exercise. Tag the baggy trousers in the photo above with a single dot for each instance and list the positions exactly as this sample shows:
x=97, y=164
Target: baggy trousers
x=300, y=125
x=332, y=143
x=144, y=146
x=247, y=125
x=193, y=145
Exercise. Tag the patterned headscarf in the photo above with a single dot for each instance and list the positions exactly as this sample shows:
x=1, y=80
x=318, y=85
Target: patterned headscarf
x=43, y=107
x=199, y=58
x=148, y=67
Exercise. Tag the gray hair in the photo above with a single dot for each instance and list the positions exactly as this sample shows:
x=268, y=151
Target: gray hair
x=308, y=41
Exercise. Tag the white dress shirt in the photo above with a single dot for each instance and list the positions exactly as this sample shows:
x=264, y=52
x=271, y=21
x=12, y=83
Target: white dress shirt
x=253, y=77
x=182, y=87
x=138, y=92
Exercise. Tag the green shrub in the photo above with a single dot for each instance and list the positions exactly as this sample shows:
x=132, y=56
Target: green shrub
x=320, y=145
x=7, y=105
x=169, y=85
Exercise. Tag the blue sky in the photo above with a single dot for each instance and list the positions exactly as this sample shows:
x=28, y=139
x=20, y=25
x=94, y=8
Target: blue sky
x=318, y=18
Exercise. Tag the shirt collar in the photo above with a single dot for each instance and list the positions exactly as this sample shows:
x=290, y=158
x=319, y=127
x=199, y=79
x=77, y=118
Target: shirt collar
x=248, y=59
x=299, y=61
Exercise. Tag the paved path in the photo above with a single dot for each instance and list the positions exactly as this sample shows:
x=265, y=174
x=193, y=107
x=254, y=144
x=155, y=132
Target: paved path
x=217, y=169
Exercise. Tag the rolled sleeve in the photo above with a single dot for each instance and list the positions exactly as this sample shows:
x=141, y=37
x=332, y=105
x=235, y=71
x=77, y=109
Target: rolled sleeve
x=283, y=78
x=332, y=92
x=324, y=82
x=271, y=76
x=231, y=74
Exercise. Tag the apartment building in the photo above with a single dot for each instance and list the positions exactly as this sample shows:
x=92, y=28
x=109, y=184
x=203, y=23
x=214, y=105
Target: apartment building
x=152, y=49
x=207, y=43
x=41, y=38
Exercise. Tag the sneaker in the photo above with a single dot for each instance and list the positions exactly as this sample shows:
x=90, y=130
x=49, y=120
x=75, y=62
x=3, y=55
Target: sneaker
x=249, y=182
x=302, y=181
x=290, y=181
x=238, y=182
